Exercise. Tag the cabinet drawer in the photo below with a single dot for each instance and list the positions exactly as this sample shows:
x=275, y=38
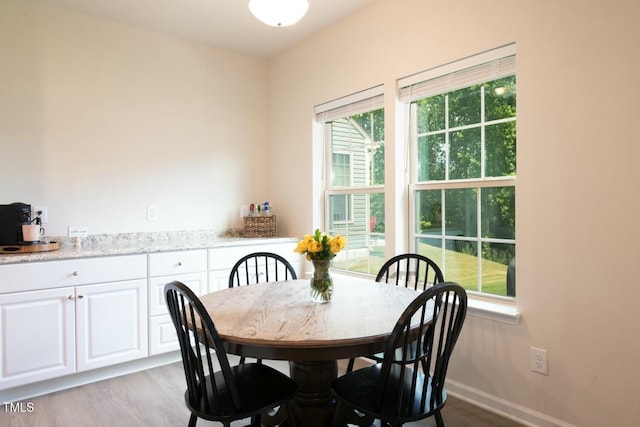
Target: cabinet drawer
x=71, y=272
x=179, y=262
x=226, y=257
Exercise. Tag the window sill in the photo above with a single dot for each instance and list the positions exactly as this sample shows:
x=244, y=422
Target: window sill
x=499, y=311
x=478, y=306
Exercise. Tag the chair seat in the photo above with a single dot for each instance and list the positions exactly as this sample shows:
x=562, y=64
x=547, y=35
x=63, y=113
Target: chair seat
x=412, y=350
x=410, y=387
x=379, y=357
x=257, y=384
x=358, y=389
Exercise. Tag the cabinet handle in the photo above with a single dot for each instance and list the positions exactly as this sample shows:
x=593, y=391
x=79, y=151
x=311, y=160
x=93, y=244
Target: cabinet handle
x=80, y=296
x=75, y=273
x=179, y=263
x=71, y=297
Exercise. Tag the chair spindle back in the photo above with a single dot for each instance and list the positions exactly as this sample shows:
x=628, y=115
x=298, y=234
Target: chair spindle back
x=261, y=267
x=188, y=316
x=433, y=322
x=410, y=270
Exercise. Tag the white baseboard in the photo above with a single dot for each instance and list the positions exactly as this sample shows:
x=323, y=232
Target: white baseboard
x=502, y=407
x=62, y=383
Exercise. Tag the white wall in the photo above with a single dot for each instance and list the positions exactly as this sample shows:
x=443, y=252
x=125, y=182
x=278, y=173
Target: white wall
x=99, y=120
x=578, y=64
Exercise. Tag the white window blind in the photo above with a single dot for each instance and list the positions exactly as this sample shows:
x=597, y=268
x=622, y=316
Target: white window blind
x=360, y=102
x=480, y=68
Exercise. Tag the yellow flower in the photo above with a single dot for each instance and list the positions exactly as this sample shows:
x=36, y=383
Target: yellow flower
x=337, y=244
x=303, y=245
x=315, y=247
x=301, y=248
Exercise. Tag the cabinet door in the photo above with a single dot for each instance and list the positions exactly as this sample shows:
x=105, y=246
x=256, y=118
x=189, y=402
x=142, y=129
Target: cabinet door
x=162, y=335
x=219, y=279
x=111, y=321
x=197, y=282
x=38, y=336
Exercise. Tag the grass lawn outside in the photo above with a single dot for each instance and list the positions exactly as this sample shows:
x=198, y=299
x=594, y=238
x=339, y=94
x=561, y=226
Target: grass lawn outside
x=459, y=267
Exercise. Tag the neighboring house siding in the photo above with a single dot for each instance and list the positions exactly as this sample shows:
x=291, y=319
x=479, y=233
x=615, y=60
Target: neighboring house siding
x=348, y=139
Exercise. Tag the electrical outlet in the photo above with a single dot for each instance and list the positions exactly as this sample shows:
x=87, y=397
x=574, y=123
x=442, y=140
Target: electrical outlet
x=539, y=360
x=44, y=216
x=152, y=213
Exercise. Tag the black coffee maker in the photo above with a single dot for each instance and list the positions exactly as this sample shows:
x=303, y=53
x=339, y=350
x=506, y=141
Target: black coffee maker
x=12, y=218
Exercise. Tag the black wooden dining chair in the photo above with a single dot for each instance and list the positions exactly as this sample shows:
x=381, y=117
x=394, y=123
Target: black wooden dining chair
x=410, y=270
x=396, y=393
x=259, y=267
x=230, y=393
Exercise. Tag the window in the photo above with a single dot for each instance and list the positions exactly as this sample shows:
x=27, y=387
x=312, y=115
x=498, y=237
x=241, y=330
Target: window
x=463, y=183
x=340, y=204
x=353, y=129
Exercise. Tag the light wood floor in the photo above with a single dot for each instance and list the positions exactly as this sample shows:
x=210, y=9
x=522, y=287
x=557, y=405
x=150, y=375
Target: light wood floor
x=155, y=398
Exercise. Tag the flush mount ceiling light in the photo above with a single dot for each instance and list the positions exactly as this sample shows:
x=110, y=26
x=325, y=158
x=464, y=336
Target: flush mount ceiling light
x=279, y=13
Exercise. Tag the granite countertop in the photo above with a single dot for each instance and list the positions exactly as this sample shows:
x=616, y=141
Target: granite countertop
x=136, y=243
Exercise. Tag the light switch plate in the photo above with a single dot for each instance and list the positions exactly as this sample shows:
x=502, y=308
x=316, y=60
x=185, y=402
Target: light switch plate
x=153, y=213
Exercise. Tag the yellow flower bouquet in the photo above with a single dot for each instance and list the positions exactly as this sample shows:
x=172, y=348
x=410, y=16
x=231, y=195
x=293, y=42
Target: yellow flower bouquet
x=320, y=248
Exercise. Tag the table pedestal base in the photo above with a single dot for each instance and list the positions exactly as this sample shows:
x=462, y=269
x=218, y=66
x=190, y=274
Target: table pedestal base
x=313, y=403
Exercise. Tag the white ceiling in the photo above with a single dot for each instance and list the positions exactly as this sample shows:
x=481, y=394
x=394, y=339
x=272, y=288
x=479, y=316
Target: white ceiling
x=224, y=23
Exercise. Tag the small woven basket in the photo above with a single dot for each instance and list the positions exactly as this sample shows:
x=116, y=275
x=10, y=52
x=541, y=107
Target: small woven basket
x=259, y=226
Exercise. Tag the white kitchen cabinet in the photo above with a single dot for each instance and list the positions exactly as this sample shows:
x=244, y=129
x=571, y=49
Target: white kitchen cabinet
x=222, y=260
x=219, y=279
x=188, y=267
x=61, y=319
x=71, y=272
x=38, y=336
x=57, y=329
x=111, y=323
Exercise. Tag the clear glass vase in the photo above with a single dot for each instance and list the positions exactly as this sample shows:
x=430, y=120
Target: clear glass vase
x=321, y=282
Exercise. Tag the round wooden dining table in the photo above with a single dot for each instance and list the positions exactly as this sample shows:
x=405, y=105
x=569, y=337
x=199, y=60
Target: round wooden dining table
x=279, y=321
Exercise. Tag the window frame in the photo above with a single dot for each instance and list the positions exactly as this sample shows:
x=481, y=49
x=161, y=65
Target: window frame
x=362, y=102
x=503, y=55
